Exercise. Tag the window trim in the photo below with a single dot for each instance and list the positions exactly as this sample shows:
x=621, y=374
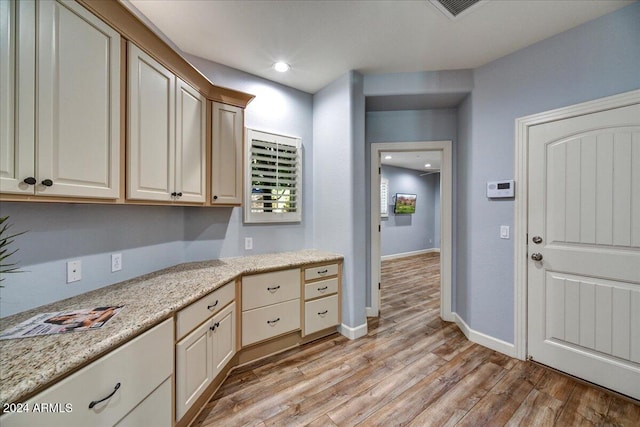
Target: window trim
x=271, y=217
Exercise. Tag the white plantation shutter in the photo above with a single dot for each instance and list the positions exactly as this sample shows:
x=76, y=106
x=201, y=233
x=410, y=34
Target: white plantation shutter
x=274, y=178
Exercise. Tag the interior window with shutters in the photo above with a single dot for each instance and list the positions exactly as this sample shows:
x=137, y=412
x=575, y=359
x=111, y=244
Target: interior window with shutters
x=274, y=178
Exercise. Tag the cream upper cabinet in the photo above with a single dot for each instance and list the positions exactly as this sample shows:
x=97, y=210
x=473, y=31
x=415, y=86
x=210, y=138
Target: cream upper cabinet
x=190, y=143
x=226, y=154
x=166, y=151
x=61, y=101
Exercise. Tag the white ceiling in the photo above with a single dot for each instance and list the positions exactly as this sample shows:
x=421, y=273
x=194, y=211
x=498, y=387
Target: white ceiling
x=321, y=40
x=413, y=160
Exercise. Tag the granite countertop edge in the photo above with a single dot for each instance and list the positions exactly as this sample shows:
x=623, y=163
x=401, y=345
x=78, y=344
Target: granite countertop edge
x=27, y=365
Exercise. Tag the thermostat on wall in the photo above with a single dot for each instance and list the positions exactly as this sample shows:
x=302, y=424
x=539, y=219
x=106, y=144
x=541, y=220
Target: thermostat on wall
x=500, y=189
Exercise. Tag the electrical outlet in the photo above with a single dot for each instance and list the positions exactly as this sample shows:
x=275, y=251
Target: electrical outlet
x=74, y=271
x=248, y=243
x=116, y=262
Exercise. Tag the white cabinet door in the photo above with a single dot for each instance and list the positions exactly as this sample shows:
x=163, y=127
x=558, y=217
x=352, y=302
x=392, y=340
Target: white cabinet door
x=17, y=57
x=190, y=143
x=201, y=355
x=226, y=155
x=78, y=103
x=151, y=145
x=224, y=337
x=75, y=110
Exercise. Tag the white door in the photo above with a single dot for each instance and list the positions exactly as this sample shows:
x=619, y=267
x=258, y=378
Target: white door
x=584, y=231
x=78, y=103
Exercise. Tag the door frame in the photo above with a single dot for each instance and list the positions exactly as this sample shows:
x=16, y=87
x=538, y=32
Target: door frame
x=446, y=219
x=522, y=199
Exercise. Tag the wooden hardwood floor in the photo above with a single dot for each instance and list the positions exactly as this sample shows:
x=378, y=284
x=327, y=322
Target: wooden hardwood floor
x=411, y=369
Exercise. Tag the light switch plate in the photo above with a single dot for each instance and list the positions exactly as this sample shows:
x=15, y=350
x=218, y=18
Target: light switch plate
x=504, y=231
x=248, y=243
x=116, y=262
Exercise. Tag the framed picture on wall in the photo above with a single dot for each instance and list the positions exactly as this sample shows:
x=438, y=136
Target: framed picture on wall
x=405, y=203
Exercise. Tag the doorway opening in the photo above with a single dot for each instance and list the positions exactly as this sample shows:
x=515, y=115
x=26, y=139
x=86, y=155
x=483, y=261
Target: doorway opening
x=443, y=149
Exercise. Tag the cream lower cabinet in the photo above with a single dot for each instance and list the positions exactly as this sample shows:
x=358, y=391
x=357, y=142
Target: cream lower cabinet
x=270, y=305
x=204, y=352
x=129, y=384
x=166, y=144
x=59, y=101
x=322, y=298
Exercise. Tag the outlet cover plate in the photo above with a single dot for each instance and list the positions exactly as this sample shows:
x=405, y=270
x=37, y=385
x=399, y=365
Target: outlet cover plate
x=74, y=271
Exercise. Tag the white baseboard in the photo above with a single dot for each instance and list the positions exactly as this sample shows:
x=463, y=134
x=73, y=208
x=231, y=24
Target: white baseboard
x=484, y=339
x=353, y=333
x=405, y=254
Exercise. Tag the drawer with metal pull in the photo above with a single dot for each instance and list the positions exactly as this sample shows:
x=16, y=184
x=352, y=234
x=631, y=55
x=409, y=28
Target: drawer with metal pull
x=321, y=288
x=102, y=393
x=266, y=322
x=260, y=290
x=320, y=272
x=196, y=313
x=320, y=314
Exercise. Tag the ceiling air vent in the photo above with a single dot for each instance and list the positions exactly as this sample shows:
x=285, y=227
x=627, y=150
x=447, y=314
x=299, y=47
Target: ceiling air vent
x=455, y=8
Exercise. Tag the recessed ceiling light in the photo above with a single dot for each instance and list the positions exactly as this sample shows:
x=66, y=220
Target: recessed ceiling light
x=388, y=157
x=428, y=165
x=281, y=67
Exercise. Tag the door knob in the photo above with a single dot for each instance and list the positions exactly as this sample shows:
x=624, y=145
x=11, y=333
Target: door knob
x=536, y=256
x=537, y=240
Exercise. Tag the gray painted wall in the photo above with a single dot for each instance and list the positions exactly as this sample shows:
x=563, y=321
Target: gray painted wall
x=335, y=159
x=153, y=237
x=408, y=233
x=593, y=60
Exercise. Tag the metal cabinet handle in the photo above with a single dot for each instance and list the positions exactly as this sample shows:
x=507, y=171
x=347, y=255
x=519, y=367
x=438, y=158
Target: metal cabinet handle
x=174, y=194
x=272, y=322
x=322, y=313
x=95, y=402
x=30, y=180
x=537, y=240
x=215, y=325
x=536, y=256
x=323, y=289
x=209, y=307
x=275, y=288
x=179, y=194
x=47, y=183
x=323, y=271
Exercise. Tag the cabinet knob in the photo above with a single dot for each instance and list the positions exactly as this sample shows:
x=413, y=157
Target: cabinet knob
x=47, y=183
x=215, y=325
x=174, y=194
x=215, y=197
x=179, y=194
x=30, y=180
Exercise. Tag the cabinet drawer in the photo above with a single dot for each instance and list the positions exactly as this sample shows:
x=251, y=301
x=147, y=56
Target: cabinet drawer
x=266, y=322
x=321, y=271
x=270, y=288
x=139, y=366
x=320, y=314
x=320, y=289
x=204, y=308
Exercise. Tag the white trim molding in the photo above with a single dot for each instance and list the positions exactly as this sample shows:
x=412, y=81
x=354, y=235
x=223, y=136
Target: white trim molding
x=521, y=206
x=484, y=339
x=412, y=253
x=353, y=333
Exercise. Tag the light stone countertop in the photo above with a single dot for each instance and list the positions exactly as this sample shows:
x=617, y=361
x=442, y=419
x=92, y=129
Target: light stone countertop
x=28, y=365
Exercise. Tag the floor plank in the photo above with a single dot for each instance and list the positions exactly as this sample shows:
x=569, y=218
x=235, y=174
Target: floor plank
x=411, y=368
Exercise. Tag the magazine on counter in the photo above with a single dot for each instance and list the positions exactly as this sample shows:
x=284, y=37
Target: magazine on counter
x=62, y=321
